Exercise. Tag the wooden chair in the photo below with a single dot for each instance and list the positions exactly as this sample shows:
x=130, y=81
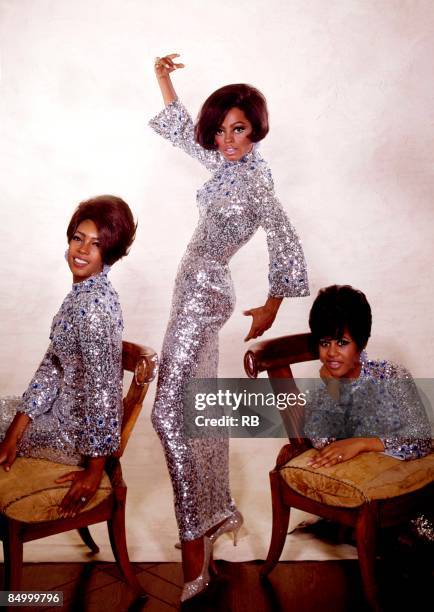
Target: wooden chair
x=364, y=506
x=16, y=529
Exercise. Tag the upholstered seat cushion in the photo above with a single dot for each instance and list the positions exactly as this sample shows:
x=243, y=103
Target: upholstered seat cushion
x=29, y=493
x=366, y=477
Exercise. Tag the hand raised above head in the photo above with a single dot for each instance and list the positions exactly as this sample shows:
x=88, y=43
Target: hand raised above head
x=165, y=65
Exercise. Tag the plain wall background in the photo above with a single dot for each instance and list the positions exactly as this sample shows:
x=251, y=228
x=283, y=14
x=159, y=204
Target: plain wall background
x=350, y=90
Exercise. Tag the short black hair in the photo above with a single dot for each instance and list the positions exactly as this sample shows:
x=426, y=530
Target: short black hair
x=338, y=308
x=114, y=220
x=216, y=106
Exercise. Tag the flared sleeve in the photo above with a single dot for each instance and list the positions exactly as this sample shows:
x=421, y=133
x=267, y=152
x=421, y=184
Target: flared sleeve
x=43, y=388
x=102, y=372
x=175, y=124
x=411, y=436
x=287, y=274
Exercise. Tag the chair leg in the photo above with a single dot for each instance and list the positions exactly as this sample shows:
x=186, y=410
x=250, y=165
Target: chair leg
x=280, y=525
x=366, y=536
x=116, y=529
x=13, y=556
x=88, y=539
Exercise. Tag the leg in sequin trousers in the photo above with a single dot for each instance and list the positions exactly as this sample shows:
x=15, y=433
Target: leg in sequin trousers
x=199, y=468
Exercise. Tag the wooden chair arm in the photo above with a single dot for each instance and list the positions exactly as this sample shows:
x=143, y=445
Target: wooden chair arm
x=278, y=353
x=142, y=361
x=276, y=356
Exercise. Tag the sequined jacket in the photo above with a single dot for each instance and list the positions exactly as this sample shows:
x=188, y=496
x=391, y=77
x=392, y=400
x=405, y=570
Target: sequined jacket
x=382, y=402
x=77, y=389
x=233, y=203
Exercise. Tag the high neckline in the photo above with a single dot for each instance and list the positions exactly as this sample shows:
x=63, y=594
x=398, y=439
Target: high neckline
x=92, y=280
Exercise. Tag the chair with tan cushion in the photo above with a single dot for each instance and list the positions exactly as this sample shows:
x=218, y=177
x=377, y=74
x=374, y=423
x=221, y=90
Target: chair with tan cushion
x=368, y=492
x=30, y=497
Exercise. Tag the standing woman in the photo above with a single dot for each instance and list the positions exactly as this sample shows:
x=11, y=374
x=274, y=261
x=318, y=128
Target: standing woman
x=233, y=203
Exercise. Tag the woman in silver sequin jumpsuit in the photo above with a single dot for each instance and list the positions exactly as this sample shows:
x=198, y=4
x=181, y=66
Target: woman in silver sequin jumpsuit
x=71, y=411
x=233, y=204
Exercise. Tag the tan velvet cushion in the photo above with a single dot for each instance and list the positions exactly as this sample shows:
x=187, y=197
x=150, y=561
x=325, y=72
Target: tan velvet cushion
x=28, y=492
x=366, y=477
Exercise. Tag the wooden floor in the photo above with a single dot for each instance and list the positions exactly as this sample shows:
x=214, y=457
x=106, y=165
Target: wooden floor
x=405, y=571
x=332, y=586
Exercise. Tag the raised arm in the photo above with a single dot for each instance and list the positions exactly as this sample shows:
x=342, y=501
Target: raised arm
x=174, y=122
x=163, y=67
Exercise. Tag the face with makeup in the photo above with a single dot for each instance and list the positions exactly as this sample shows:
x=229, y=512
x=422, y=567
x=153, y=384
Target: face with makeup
x=340, y=356
x=233, y=136
x=84, y=254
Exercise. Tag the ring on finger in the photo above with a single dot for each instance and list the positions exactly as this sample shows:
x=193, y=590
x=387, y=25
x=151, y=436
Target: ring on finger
x=340, y=458
x=83, y=499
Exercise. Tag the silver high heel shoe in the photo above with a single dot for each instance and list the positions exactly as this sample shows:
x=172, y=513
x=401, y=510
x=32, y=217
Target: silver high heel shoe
x=232, y=523
x=199, y=584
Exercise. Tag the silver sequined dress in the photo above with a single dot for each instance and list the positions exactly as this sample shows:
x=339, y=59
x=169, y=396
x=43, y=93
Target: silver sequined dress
x=233, y=204
x=382, y=402
x=75, y=396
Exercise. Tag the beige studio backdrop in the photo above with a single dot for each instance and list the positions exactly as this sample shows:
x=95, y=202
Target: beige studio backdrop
x=350, y=92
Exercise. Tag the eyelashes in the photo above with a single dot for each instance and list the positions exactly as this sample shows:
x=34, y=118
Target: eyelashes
x=78, y=238
x=238, y=130
x=339, y=342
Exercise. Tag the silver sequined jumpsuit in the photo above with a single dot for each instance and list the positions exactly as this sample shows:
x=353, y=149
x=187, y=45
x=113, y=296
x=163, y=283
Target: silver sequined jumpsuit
x=75, y=397
x=233, y=203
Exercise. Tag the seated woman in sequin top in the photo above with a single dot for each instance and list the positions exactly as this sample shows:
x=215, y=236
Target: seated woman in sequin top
x=71, y=411
x=363, y=405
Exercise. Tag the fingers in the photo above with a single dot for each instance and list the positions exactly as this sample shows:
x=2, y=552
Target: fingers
x=254, y=332
x=326, y=459
x=167, y=64
x=66, y=477
x=74, y=501
x=248, y=313
x=7, y=459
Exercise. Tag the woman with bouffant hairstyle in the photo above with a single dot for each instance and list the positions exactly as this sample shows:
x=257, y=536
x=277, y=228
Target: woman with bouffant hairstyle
x=114, y=221
x=244, y=97
x=233, y=204
x=71, y=411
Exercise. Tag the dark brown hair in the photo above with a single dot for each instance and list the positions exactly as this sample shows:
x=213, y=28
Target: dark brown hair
x=337, y=308
x=214, y=109
x=114, y=220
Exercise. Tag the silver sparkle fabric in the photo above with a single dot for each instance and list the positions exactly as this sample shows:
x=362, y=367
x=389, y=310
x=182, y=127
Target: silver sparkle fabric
x=75, y=397
x=233, y=204
x=382, y=402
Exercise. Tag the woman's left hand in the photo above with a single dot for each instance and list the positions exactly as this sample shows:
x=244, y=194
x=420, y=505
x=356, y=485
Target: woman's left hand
x=83, y=487
x=337, y=452
x=263, y=317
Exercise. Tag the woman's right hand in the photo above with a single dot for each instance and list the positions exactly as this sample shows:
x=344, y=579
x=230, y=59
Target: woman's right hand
x=165, y=65
x=332, y=383
x=8, y=453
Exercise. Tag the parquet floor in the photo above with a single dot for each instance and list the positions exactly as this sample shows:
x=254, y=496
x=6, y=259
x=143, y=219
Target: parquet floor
x=405, y=577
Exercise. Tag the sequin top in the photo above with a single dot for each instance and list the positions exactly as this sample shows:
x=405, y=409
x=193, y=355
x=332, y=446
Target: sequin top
x=382, y=402
x=78, y=385
x=233, y=203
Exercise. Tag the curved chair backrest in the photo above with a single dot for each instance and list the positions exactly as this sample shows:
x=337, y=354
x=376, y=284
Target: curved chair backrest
x=276, y=357
x=142, y=361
